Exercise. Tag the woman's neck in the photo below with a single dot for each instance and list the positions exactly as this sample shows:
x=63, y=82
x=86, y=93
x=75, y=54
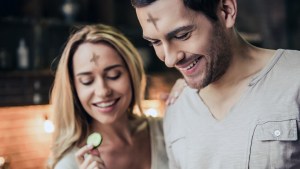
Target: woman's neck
x=122, y=131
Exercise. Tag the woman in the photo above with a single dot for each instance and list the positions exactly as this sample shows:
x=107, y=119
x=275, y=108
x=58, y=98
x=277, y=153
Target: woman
x=99, y=85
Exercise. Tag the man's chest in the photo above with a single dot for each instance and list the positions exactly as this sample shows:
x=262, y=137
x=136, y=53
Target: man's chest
x=257, y=135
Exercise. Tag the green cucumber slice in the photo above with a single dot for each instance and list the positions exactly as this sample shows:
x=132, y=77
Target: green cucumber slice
x=94, y=139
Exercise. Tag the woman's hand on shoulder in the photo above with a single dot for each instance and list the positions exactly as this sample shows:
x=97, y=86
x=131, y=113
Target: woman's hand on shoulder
x=89, y=158
x=176, y=90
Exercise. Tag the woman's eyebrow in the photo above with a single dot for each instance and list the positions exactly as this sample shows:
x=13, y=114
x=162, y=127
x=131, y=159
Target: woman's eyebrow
x=105, y=69
x=112, y=67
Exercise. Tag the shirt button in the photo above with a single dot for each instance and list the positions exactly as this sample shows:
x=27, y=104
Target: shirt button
x=277, y=133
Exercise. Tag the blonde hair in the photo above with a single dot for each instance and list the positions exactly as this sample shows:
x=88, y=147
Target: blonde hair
x=71, y=120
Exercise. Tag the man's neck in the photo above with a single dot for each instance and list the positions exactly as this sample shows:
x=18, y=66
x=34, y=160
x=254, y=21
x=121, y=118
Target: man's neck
x=247, y=61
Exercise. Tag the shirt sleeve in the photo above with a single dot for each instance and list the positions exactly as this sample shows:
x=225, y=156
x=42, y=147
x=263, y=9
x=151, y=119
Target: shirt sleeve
x=166, y=127
x=67, y=162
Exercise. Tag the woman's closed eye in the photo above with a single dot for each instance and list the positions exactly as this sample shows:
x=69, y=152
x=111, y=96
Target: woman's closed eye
x=86, y=80
x=113, y=75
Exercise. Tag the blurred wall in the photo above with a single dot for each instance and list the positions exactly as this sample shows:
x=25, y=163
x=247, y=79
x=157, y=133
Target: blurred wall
x=45, y=25
x=23, y=142
x=276, y=22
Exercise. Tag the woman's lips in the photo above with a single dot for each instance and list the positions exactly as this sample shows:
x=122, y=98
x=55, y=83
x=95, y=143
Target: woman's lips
x=106, y=106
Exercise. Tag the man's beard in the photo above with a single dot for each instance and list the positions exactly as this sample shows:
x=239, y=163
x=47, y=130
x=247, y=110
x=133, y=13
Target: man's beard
x=219, y=58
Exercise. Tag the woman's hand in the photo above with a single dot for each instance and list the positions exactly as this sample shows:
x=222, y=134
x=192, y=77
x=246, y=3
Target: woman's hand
x=89, y=158
x=177, y=88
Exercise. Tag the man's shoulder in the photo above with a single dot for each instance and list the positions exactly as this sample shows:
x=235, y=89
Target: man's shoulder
x=185, y=102
x=184, y=97
x=292, y=52
x=289, y=61
x=175, y=115
x=291, y=55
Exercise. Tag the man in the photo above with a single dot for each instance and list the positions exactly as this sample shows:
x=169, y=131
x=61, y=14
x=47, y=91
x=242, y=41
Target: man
x=242, y=107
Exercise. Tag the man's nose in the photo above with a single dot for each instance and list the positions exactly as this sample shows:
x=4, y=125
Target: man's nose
x=172, y=55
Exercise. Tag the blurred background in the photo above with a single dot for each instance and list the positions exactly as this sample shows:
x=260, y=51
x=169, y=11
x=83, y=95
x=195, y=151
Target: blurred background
x=32, y=35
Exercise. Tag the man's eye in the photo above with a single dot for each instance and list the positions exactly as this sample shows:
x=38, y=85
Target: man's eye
x=183, y=36
x=154, y=43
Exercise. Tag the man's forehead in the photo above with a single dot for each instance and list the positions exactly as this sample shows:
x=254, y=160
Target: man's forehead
x=152, y=20
x=162, y=16
x=148, y=19
x=152, y=13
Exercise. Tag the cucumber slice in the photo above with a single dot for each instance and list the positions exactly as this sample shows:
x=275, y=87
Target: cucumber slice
x=94, y=139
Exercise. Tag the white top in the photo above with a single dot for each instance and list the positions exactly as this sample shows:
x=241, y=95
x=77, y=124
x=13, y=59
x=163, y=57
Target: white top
x=260, y=131
x=158, y=151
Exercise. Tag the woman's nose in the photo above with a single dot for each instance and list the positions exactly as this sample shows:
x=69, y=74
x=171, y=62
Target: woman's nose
x=103, y=89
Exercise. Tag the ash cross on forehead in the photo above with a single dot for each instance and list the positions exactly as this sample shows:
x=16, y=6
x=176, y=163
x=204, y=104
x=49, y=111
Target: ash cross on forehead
x=152, y=20
x=95, y=58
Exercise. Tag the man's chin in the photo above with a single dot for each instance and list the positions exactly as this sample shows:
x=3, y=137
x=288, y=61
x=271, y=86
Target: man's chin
x=193, y=84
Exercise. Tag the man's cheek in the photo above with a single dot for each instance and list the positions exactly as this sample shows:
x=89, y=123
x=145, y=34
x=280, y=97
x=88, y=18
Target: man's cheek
x=160, y=54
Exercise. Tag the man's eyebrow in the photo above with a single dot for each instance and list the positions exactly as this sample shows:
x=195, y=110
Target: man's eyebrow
x=147, y=38
x=173, y=33
x=105, y=69
x=177, y=30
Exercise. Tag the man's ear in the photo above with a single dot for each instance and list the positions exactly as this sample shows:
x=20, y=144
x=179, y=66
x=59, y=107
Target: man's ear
x=229, y=12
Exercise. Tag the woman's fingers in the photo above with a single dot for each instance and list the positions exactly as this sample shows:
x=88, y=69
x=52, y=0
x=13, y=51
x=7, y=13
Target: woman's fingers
x=177, y=88
x=92, y=161
x=89, y=158
x=95, y=152
x=96, y=165
x=79, y=155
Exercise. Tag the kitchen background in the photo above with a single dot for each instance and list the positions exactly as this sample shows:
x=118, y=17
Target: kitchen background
x=32, y=35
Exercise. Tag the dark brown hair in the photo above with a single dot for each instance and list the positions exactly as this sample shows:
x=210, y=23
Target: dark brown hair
x=207, y=7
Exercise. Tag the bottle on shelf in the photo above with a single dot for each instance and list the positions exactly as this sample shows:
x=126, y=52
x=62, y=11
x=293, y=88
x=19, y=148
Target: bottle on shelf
x=23, y=56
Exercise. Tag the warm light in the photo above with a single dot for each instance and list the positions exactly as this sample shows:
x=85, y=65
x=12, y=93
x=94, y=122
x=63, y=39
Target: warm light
x=153, y=108
x=2, y=161
x=152, y=112
x=68, y=8
x=48, y=126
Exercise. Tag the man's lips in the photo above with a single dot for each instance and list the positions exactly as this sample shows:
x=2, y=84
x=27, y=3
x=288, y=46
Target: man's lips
x=189, y=65
x=193, y=64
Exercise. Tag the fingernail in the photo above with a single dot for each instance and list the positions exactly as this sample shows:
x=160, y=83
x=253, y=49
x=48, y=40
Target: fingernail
x=176, y=94
x=89, y=146
x=171, y=101
x=168, y=102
